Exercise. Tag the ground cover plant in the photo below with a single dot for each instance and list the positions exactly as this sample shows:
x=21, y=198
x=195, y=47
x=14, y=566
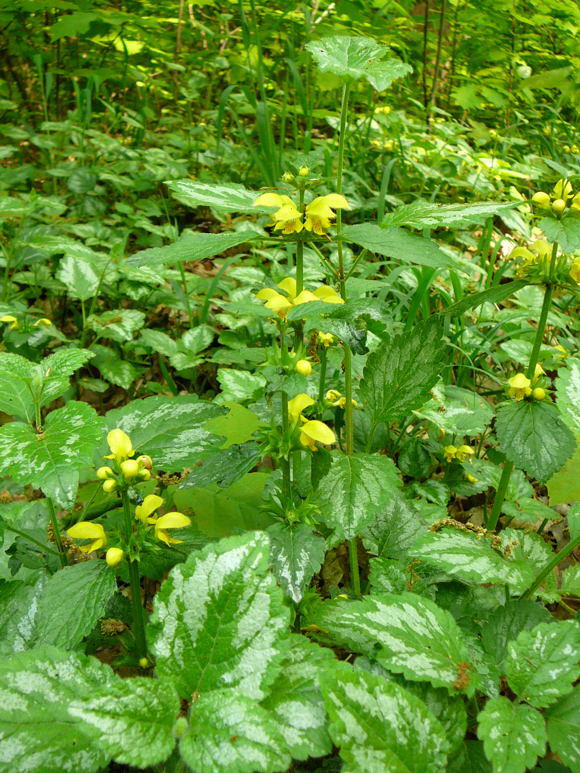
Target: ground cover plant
x=289, y=387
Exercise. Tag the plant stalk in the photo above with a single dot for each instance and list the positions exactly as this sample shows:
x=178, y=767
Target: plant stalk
x=135, y=582
x=56, y=532
x=558, y=558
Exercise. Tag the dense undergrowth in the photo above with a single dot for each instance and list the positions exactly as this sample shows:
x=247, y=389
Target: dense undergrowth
x=289, y=387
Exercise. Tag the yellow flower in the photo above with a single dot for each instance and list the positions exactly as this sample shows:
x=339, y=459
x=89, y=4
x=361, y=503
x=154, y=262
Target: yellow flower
x=334, y=397
x=314, y=431
x=449, y=452
x=9, y=318
x=281, y=304
x=539, y=393
x=130, y=468
x=563, y=352
x=120, y=445
x=541, y=199
x=88, y=530
x=148, y=506
x=109, y=485
x=326, y=339
x=558, y=206
x=304, y=171
x=320, y=212
x=519, y=386
x=303, y=367
x=287, y=218
x=538, y=371
x=471, y=478
x=43, y=321
x=464, y=452
x=287, y=177
x=298, y=404
x=169, y=521
x=563, y=190
x=575, y=270
x=104, y=472
x=114, y=556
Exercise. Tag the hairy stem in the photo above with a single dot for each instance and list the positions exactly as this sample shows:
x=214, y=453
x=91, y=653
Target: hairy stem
x=135, y=581
x=56, y=532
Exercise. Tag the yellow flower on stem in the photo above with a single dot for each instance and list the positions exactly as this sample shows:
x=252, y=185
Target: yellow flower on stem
x=43, y=321
x=147, y=507
x=303, y=367
x=326, y=339
x=287, y=217
x=334, y=397
x=563, y=190
x=9, y=318
x=321, y=212
x=538, y=371
x=88, y=530
x=281, y=304
x=575, y=270
x=464, y=452
x=120, y=445
x=519, y=386
x=114, y=556
x=169, y=521
x=314, y=431
x=449, y=453
x=298, y=404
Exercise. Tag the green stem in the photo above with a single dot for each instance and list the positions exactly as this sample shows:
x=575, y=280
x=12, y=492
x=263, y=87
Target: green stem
x=285, y=461
x=185, y=295
x=56, y=532
x=500, y=495
x=135, y=581
x=322, y=378
x=300, y=250
x=538, y=339
x=558, y=558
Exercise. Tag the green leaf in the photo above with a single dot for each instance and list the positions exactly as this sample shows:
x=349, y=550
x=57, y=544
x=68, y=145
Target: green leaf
x=566, y=232
x=352, y=490
x=399, y=244
x=399, y=374
x=237, y=426
x=295, y=699
x=405, y=633
x=227, y=197
x=21, y=381
x=219, y=618
x=223, y=467
x=513, y=735
x=492, y=295
x=425, y=214
x=356, y=58
x=51, y=460
x=117, y=325
x=379, y=726
x=231, y=733
x=568, y=391
x=564, y=486
x=542, y=663
x=197, y=339
x=81, y=278
x=533, y=436
x=239, y=384
x=392, y=531
x=112, y=368
x=458, y=411
x=69, y=712
x=470, y=558
x=507, y=622
x=296, y=554
x=563, y=722
x=72, y=602
x=169, y=429
x=191, y=245
x=159, y=341
x=72, y=25
x=18, y=613
x=570, y=583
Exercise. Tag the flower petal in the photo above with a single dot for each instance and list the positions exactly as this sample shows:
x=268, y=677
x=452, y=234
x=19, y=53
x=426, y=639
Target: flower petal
x=148, y=506
x=289, y=286
x=173, y=521
x=86, y=530
x=297, y=404
x=305, y=297
x=335, y=200
x=120, y=444
x=317, y=430
x=269, y=200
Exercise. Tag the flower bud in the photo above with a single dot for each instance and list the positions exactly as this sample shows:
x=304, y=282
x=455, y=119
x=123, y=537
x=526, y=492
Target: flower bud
x=541, y=199
x=104, y=472
x=539, y=393
x=180, y=727
x=43, y=321
x=287, y=177
x=303, y=367
x=145, y=474
x=114, y=556
x=130, y=468
x=145, y=461
x=143, y=662
x=558, y=206
x=109, y=485
x=304, y=171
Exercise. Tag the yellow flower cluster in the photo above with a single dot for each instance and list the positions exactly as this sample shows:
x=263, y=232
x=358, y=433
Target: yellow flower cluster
x=121, y=448
x=289, y=219
x=281, y=304
x=520, y=386
x=311, y=430
x=334, y=397
x=561, y=197
x=462, y=453
x=13, y=321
